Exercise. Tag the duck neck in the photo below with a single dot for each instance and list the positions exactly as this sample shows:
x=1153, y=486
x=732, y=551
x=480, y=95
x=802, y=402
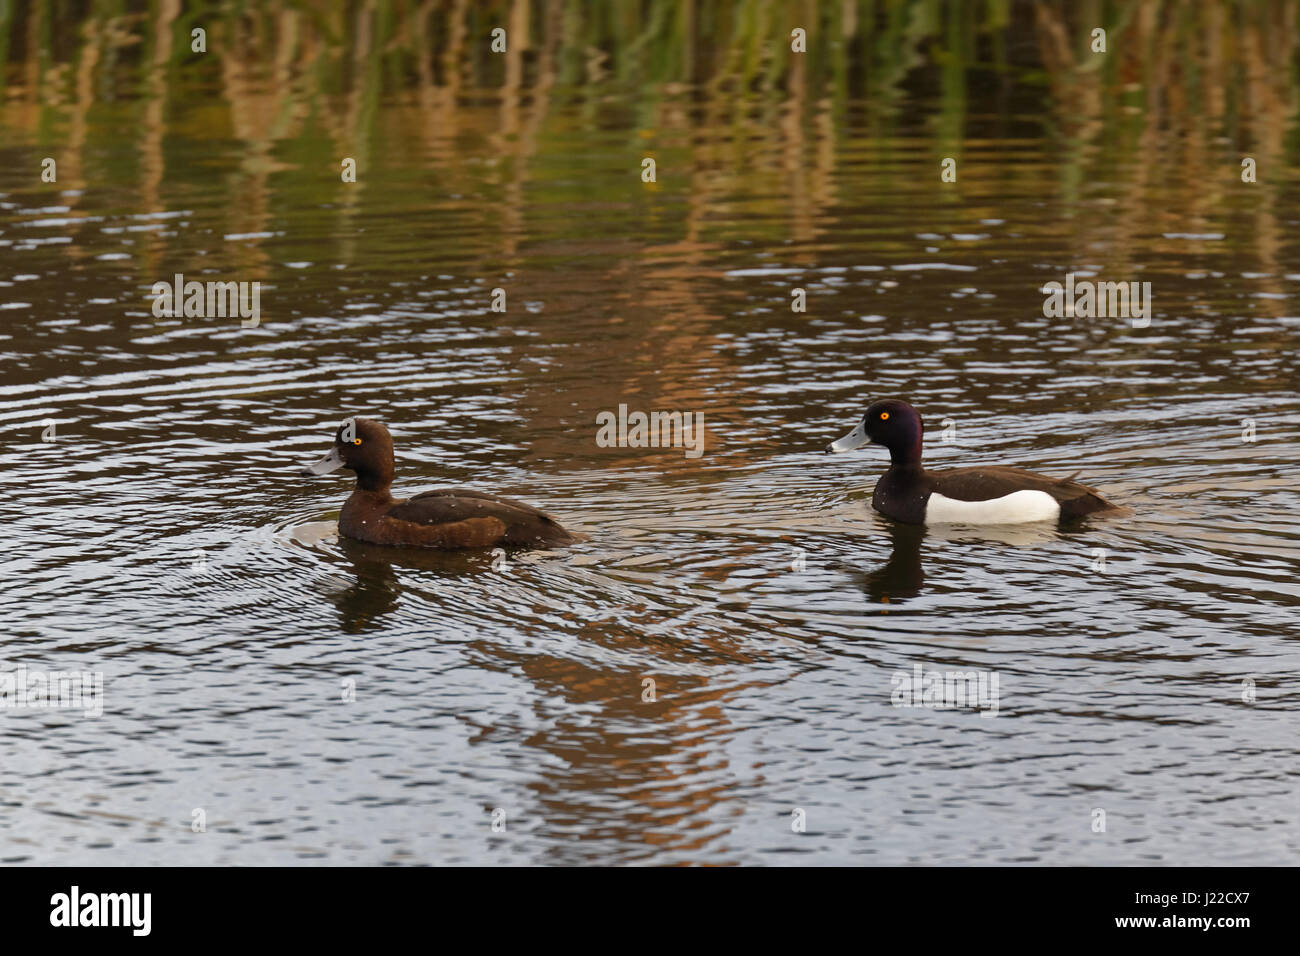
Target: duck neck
x=375, y=482
x=906, y=457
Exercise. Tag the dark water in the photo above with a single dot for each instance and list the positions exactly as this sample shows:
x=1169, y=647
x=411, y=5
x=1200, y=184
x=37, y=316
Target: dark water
x=165, y=538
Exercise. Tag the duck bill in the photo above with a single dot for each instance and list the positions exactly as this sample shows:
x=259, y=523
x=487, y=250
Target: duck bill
x=331, y=462
x=854, y=439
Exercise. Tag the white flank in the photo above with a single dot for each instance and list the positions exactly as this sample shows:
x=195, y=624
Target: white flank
x=1017, y=507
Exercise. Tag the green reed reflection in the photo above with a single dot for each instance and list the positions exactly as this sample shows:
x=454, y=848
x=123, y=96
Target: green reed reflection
x=709, y=86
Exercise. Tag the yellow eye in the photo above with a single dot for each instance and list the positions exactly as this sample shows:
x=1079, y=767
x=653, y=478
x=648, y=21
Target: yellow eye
x=356, y=441
x=884, y=416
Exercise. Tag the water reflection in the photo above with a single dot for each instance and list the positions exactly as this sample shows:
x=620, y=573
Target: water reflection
x=750, y=584
x=376, y=584
x=902, y=576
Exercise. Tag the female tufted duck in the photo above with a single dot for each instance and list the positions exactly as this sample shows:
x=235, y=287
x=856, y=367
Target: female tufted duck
x=988, y=494
x=449, y=519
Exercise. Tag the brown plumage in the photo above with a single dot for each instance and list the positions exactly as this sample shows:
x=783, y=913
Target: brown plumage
x=448, y=519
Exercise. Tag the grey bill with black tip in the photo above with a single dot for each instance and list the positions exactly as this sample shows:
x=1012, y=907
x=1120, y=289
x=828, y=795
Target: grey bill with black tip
x=854, y=439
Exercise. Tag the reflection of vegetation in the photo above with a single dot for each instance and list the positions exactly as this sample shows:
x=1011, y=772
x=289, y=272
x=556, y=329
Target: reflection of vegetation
x=526, y=163
x=1228, y=60
x=711, y=83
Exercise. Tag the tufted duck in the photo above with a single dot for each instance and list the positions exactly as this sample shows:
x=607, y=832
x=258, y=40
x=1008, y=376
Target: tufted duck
x=987, y=494
x=448, y=518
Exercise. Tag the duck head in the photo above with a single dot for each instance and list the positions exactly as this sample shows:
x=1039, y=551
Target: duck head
x=362, y=445
x=892, y=423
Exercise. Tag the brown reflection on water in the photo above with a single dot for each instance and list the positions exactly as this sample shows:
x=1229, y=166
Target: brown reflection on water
x=623, y=794
x=1182, y=95
x=156, y=89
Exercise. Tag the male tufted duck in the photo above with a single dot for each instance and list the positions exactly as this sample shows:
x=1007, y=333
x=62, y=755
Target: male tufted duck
x=448, y=518
x=987, y=494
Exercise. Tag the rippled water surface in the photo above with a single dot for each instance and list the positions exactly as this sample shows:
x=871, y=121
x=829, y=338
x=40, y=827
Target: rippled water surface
x=165, y=537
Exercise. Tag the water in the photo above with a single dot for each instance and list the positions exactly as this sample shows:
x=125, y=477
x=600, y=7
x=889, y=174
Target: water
x=166, y=538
